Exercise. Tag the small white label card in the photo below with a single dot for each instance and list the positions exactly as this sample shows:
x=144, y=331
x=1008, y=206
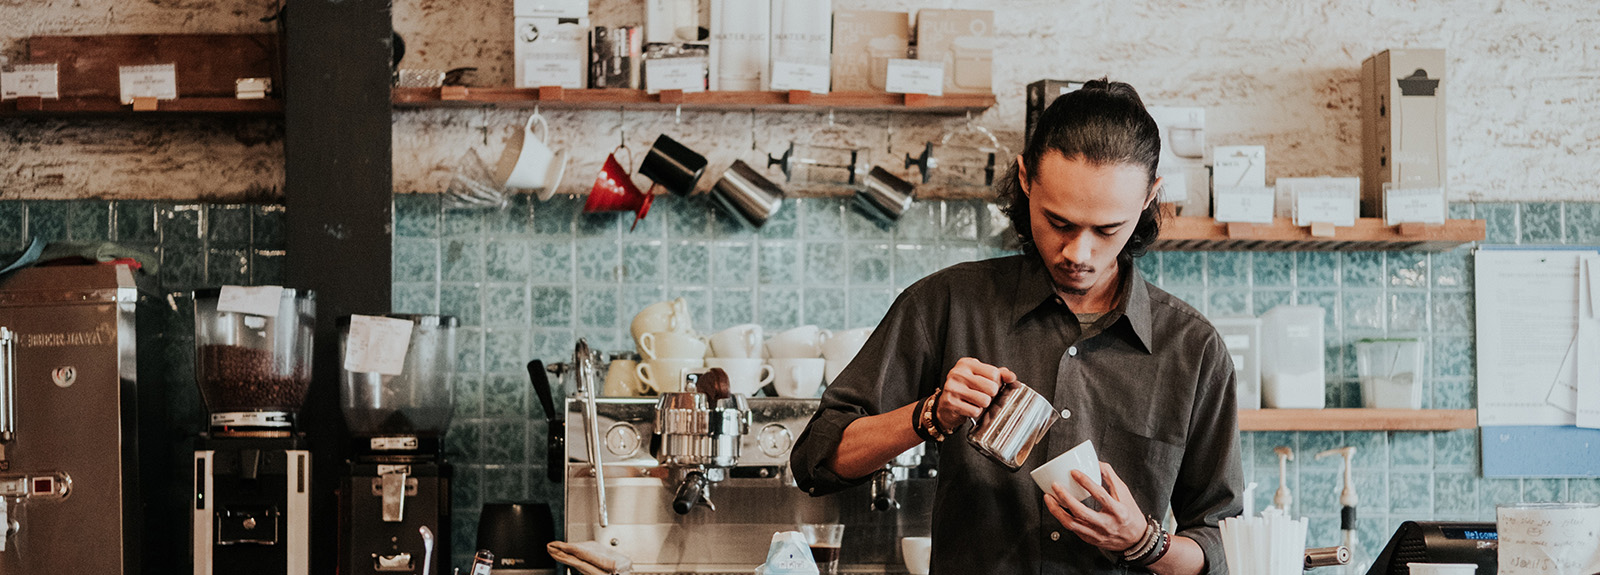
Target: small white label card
x=30, y=81
x=1335, y=201
x=915, y=77
x=564, y=72
x=253, y=300
x=686, y=74
x=1404, y=205
x=377, y=345
x=797, y=76
x=159, y=81
x=1239, y=166
x=1236, y=342
x=1244, y=205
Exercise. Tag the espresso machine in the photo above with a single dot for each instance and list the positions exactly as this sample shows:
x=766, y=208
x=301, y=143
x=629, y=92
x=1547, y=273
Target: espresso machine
x=252, y=468
x=394, y=498
x=77, y=487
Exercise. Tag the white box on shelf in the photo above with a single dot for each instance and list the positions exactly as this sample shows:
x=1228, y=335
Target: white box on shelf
x=1182, y=166
x=1244, y=205
x=1293, y=353
x=552, y=52
x=739, y=44
x=674, y=21
x=1309, y=201
x=1242, y=337
x=1408, y=205
x=802, y=40
x=551, y=8
x=1239, y=166
x=1403, y=132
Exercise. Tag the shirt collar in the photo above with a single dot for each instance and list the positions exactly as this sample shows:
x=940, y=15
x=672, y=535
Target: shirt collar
x=1035, y=288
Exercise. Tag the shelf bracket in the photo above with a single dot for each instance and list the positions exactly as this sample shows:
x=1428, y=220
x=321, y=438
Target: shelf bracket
x=672, y=97
x=453, y=93
x=552, y=93
x=916, y=100
x=1414, y=229
x=800, y=97
x=1321, y=229
x=1241, y=230
x=145, y=104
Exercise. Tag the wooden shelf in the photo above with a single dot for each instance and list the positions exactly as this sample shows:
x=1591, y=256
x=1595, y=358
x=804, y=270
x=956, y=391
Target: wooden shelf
x=1369, y=234
x=111, y=106
x=501, y=97
x=1345, y=419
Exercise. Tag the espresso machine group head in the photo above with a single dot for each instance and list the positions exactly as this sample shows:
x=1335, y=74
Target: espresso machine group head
x=699, y=441
x=251, y=500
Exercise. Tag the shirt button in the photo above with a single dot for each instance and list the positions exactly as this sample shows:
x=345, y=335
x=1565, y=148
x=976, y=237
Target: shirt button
x=1055, y=535
x=1073, y=351
x=1065, y=413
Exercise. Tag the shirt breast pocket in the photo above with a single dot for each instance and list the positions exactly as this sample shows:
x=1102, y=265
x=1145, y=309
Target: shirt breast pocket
x=1148, y=465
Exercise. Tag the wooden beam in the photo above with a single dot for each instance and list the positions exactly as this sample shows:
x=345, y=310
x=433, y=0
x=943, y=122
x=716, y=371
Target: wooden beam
x=1352, y=419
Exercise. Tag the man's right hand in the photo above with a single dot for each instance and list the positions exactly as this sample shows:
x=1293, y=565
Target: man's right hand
x=968, y=389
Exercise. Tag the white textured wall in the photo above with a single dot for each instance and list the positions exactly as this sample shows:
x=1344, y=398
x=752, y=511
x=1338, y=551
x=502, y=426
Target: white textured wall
x=1524, y=83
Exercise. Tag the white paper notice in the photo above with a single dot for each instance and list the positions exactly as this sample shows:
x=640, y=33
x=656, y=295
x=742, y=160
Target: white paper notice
x=796, y=76
x=686, y=74
x=1239, y=166
x=564, y=72
x=159, y=81
x=1332, y=200
x=377, y=345
x=1248, y=205
x=253, y=300
x=1526, y=313
x=1549, y=538
x=30, y=80
x=1403, y=205
x=1586, y=348
x=915, y=77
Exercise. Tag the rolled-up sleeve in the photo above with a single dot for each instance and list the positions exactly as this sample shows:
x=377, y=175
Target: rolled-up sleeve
x=1210, y=481
x=897, y=365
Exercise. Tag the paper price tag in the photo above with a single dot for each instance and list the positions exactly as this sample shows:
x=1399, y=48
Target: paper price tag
x=915, y=77
x=1424, y=205
x=1239, y=166
x=377, y=345
x=796, y=76
x=253, y=300
x=564, y=72
x=687, y=74
x=1244, y=205
x=159, y=81
x=30, y=81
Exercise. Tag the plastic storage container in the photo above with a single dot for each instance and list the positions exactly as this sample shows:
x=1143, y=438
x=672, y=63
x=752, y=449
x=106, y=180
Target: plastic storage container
x=246, y=362
x=1242, y=336
x=1292, y=354
x=419, y=400
x=1389, y=370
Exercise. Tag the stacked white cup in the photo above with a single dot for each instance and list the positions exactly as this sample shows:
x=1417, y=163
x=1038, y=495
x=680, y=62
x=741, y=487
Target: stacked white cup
x=797, y=363
x=668, y=347
x=737, y=352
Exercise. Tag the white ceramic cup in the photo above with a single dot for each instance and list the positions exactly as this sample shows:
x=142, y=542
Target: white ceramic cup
x=804, y=341
x=1442, y=568
x=746, y=376
x=797, y=376
x=621, y=379
x=528, y=162
x=840, y=347
x=917, y=551
x=671, y=345
x=1059, y=470
x=666, y=375
x=740, y=341
x=661, y=316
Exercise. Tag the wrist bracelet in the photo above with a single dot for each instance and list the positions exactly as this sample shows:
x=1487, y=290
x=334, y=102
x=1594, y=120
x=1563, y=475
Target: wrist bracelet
x=926, y=424
x=933, y=414
x=916, y=419
x=1133, y=550
x=1161, y=551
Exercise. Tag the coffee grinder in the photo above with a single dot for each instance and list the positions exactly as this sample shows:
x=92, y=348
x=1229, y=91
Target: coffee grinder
x=394, y=499
x=252, y=469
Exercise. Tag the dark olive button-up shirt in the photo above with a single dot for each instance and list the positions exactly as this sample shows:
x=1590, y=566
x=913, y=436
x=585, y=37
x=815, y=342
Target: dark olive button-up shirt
x=1150, y=383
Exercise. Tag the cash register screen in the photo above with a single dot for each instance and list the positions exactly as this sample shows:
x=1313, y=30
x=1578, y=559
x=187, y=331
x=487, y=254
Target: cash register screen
x=1471, y=534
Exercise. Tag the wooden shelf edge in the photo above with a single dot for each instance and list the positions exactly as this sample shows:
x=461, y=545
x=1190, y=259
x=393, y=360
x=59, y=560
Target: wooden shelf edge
x=1200, y=233
x=111, y=106
x=611, y=98
x=1353, y=419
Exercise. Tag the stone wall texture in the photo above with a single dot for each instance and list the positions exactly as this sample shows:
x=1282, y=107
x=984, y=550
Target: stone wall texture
x=1524, y=84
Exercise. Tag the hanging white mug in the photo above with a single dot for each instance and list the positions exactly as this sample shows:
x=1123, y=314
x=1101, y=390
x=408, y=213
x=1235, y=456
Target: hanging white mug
x=529, y=163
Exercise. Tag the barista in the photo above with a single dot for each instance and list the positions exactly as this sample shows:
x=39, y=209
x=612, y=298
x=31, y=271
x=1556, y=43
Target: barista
x=1139, y=372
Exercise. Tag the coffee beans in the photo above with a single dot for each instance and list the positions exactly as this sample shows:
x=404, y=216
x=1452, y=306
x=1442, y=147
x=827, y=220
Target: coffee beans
x=235, y=378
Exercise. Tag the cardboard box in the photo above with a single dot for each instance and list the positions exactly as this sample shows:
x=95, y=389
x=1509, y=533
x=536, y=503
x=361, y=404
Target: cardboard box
x=739, y=44
x=964, y=41
x=863, y=43
x=1402, y=124
x=802, y=45
x=552, y=52
x=1043, y=93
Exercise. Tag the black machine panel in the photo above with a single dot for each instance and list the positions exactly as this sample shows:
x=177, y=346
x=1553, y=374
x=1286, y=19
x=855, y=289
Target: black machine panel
x=1477, y=543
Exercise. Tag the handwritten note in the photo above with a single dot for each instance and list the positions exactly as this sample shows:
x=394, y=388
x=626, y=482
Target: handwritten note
x=377, y=345
x=1549, y=538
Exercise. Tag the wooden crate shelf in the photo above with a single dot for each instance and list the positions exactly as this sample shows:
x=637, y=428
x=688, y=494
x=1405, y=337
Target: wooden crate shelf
x=502, y=97
x=111, y=106
x=1369, y=234
x=1348, y=419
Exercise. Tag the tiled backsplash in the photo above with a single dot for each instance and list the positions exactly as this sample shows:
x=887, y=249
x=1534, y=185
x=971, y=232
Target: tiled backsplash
x=528, y=280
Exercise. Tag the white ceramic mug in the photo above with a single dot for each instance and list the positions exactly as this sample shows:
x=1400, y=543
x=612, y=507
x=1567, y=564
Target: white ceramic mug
x=746, y=376
x=804, y=341
x=797, y=377
x=1059, y=470
x=666, y=375
x=740, y=341
x=840, y=347
x=917, y=551
x=671, y=345
x=661, y=316
x=621, y=380
x=528, y=162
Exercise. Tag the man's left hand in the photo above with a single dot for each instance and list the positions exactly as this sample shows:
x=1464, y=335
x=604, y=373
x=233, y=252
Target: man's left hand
x=1117, y=526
